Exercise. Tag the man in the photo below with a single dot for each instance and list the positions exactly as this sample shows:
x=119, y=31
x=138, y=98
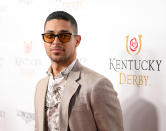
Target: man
x=72, y=97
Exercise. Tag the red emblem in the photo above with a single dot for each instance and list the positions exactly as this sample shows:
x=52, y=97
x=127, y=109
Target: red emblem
x=133, y=44
x=28, y=47
x=133, y=48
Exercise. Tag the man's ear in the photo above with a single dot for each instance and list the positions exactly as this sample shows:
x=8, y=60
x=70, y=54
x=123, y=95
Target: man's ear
x=78, y=40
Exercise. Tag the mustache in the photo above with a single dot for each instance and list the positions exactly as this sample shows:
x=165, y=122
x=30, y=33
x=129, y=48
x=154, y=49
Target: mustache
x=57, y=47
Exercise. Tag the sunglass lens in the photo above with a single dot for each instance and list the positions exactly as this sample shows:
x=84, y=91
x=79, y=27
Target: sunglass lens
x=48, y=38
x=64, y=37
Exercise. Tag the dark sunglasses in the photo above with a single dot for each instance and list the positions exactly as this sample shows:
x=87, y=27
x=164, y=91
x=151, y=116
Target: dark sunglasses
x=63, y=37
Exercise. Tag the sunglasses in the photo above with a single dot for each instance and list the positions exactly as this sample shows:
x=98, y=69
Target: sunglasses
x=63, y=37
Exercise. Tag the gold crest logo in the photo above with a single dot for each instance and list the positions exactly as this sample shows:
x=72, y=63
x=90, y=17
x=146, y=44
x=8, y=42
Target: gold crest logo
x=28, y=47
x=134, y=47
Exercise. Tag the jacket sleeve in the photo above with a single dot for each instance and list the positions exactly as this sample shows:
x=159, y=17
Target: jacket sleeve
x=35, y=105
x=106, y=107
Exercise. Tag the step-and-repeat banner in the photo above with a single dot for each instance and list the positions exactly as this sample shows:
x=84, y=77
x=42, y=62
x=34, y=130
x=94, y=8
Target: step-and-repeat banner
x=125, y=40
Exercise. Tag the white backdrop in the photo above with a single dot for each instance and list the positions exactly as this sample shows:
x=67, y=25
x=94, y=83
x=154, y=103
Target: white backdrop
x=103, y=25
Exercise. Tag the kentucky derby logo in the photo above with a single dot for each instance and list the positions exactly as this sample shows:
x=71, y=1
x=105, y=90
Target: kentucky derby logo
x=26, y=116
x=28, y=47
x=2, y=114
x=133, y=46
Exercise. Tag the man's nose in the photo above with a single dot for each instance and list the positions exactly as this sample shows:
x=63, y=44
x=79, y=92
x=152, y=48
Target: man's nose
x=56, y=41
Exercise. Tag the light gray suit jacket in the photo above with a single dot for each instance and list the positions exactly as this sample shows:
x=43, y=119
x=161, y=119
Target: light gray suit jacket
x=89, y=103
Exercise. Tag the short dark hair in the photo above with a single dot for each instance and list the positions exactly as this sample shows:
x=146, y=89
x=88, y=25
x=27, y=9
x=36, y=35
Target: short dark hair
x=64, y=16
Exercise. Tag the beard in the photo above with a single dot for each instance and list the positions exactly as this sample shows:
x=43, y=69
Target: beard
x=60, y=58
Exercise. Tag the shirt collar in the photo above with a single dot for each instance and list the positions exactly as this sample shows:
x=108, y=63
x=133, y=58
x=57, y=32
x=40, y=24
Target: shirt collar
x=64, y=73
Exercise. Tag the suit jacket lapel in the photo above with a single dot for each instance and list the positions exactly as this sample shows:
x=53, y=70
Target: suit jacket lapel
x=69, y=90
x=41, y=104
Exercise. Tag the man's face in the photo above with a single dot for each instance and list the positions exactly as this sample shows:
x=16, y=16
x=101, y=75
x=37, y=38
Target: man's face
x=57, y=51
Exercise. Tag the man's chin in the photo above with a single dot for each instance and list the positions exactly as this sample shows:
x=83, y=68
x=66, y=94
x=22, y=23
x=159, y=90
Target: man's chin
x=58, y=59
